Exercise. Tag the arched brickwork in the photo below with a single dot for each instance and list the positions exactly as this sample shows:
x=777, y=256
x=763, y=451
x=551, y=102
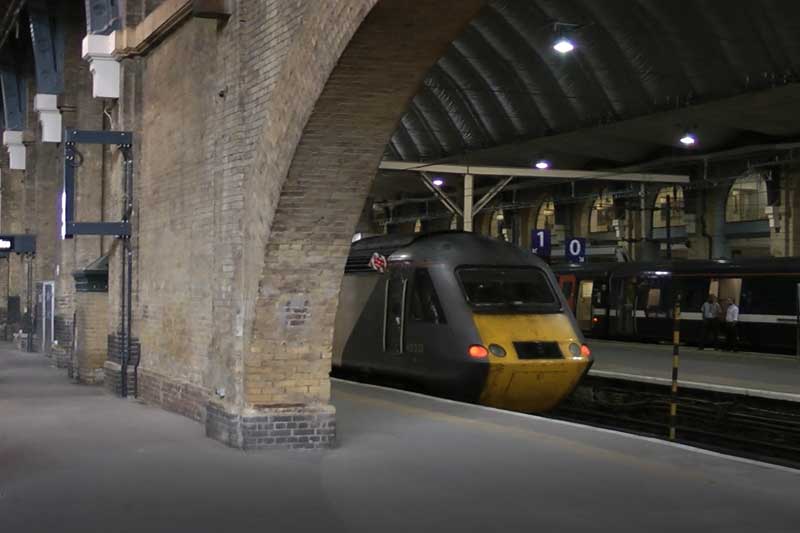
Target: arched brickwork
x=313, y=173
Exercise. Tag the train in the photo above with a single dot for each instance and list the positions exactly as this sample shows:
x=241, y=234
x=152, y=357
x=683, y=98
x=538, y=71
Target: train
x=635, y=300
x=459, y=315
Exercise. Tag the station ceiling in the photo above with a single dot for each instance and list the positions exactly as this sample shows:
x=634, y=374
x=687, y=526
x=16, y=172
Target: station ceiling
x=643, y=72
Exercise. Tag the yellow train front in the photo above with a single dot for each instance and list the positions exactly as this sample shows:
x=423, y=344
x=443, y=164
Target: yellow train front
x=462, y=316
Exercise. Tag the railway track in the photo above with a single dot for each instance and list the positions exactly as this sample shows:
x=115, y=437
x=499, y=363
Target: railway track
x=763, y=429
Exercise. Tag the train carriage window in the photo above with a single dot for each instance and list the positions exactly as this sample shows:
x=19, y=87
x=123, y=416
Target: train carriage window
x=694, y=292
x=730, y=288
x=769, y=296
x=654, y=297
x=425, y=306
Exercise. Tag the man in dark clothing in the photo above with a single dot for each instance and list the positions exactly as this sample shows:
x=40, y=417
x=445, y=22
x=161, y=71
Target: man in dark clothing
x=711, y=312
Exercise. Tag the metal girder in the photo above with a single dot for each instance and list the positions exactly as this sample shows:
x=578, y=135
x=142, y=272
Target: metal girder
x=102, y=16
x=15, y=105
x=47, y=35
x=446, y=201
x=494, y=191
x=120, y=138
x=610, y=175
x=118, y=229
x=72, y=161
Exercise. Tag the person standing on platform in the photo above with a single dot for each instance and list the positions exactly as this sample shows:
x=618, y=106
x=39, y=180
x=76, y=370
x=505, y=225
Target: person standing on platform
x=711, y=313
x=732, y=326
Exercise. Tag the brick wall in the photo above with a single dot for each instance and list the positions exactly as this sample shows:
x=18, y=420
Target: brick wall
x=91, y=336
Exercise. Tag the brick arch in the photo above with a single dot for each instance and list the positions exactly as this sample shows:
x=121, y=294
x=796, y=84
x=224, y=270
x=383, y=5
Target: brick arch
x=331, y=115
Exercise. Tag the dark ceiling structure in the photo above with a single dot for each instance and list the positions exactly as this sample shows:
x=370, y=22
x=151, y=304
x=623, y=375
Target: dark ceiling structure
x=643, y=72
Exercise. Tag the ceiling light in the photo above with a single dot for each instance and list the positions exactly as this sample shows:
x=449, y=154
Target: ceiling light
x=563, y=45
x=438, y=182
x=542, y=164
x=688, y=139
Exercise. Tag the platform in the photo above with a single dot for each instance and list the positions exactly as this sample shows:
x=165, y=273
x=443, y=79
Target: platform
x=73, y=458
x=749, y=374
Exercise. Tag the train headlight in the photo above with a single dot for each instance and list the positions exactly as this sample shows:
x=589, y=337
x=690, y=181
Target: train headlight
x=497, y=350
x=575, y=350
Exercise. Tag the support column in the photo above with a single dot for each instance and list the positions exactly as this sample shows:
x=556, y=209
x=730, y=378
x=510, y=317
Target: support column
x=468, y=199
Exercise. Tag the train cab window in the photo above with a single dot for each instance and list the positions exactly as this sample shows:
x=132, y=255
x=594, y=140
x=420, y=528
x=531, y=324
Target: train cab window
x=425, y=306
x=524, y=289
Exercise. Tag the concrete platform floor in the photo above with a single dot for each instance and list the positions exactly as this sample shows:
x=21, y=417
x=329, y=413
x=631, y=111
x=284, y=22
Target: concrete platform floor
x=73, y=458
x=772, y=376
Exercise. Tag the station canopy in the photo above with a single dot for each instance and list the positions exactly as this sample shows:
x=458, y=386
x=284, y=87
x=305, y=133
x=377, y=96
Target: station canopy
x=643, y=72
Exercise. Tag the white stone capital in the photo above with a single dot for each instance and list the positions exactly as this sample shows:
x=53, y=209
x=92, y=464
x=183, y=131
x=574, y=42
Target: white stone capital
x=98, y=50
x=49, y=116
x=16, y=149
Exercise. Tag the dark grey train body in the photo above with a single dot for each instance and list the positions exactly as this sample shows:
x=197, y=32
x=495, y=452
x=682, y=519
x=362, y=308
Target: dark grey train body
x=416, y=321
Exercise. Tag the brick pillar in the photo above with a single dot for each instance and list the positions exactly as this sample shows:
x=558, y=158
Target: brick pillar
x=91, y=336
x=81, y=111
x=287, y=356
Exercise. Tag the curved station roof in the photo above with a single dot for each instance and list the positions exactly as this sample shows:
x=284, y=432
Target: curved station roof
x=643, y=72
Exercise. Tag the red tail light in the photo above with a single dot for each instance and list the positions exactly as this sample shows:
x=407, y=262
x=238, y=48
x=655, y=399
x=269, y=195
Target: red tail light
x=585, y=351
x=595, y=320
x=476, y=351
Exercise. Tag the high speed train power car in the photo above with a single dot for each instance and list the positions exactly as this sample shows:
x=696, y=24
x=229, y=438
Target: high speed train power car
x=462, y=315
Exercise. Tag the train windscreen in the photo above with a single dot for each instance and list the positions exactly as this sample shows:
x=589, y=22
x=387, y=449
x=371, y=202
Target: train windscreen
x=520, y=289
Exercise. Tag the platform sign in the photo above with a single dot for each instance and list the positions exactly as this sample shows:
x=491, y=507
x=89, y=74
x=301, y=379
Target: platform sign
x=20, y=244
x=540, y=242
x=575, y=250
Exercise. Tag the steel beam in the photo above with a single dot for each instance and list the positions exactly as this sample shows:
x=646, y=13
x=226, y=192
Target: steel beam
x=102, y=16
x=494, y=191
x=15, y=105
x=448, y=203
x=118, y=229
x=469, y=183
x=519, y=172
x=120, y=138
x=47, y=35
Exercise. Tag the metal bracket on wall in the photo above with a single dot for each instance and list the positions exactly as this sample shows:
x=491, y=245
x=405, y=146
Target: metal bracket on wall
x=72, y=161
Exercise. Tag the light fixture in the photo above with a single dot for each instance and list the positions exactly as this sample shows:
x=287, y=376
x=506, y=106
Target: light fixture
x=542, y=164
x=438, y=182
x=563, y=44
x=688, y=139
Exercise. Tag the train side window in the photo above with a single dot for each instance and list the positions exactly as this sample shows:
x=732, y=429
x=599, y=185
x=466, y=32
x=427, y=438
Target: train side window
x=425, y=305
x=769, y=296
x=566, y=289
x=730, y=288
x=694, y=292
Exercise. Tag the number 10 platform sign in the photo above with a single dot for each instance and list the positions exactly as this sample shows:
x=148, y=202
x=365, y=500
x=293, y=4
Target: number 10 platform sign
x=540, y=242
